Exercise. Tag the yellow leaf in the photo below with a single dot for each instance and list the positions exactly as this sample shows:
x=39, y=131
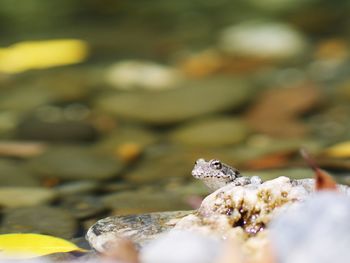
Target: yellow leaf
x=340, y=150
x=27, y=55
x=33, y=245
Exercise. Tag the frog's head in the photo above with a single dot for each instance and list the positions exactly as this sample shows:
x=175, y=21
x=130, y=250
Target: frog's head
x=205, y=169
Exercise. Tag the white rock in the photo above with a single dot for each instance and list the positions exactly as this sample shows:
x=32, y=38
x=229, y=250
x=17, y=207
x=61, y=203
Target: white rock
x=181, y=247
x=316, y=231
x=130, y=74
x=222, y=212
x=262, y=40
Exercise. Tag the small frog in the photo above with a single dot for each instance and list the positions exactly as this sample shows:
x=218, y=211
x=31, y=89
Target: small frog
x=216, y=174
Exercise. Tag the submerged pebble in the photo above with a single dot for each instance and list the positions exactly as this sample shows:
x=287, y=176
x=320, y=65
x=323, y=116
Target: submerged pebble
x=74, y=163
x=191, y=99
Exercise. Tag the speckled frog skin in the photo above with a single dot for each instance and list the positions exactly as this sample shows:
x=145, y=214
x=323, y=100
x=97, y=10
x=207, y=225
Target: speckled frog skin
x=216, y=174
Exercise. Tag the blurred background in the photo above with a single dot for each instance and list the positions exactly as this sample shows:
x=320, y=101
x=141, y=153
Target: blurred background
x=105, y=105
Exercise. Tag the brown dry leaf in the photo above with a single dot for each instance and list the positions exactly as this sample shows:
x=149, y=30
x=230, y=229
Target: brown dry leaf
x=324, y=181
x=276, y=112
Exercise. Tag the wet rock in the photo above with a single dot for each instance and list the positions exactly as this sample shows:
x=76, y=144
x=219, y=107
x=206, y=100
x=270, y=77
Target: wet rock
x=205, y=132
x=181, y=247
x=290, y=104
x=12, y=173
x=74, y=163
x=269, y=40
x=39, y=219
x=83, y=206
x=138, y=228
x=299, y=234
x=132, y=74
x=191, y=99
x=134, y=202
x=77, y=187
x=25, y=196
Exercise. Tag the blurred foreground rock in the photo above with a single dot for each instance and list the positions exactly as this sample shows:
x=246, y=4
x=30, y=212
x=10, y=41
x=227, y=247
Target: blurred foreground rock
x=239, y=213
x=315, y=231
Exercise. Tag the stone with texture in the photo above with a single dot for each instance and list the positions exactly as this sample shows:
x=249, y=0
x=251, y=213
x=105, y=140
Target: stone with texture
x=138, y=228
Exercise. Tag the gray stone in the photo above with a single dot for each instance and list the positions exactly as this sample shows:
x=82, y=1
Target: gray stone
x=139, y=228
x=39, y=219
x=74, y=163
x=13, y=196
x=317, y=230
x=213, y=132
x=192, y=99
x=12, y=173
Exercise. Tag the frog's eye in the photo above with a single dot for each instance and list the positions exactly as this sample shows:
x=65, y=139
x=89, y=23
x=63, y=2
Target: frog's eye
x=216, y=164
